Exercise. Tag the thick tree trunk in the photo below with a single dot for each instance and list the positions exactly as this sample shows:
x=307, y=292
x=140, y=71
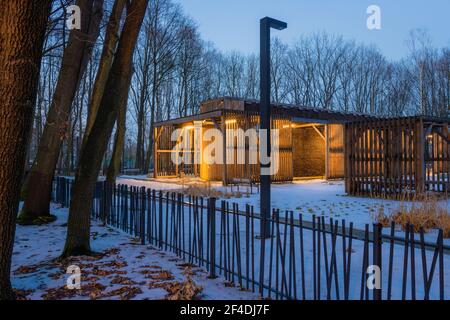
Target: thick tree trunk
x=106, y=61
x=119, y=141
x=115, y=93
x=22, y=29
x=37, y=192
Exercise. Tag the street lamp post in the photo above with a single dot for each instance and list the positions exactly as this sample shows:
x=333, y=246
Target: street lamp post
x=265, y=114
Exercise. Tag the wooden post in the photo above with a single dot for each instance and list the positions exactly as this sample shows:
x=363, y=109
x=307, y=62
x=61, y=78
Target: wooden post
x=419, y=157
x=327, y=152
x=155, y=155
x=446, y=157
x=224, y=141
x=197, y=142
x=348, y=158
x=177, y=150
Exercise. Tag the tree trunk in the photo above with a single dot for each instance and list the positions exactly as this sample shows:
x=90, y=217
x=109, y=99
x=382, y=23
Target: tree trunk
x=140, y=141
x=152, y=122
x=119, y=141
x=140, y=147
x=106, y=61
x=150, y=152
x=115, y=93
x=22, y=29
x=76, y=56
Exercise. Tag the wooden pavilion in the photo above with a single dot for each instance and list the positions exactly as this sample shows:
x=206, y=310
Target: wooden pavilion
x=385, y=157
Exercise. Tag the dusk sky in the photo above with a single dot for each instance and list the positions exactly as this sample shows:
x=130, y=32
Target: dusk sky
x=233, y=24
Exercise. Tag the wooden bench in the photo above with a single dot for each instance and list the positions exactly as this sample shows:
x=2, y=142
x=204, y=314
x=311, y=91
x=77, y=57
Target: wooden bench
x=132, y=172
x=243, y=182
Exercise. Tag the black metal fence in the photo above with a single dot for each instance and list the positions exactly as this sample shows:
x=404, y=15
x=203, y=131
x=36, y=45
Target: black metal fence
x=305, y=259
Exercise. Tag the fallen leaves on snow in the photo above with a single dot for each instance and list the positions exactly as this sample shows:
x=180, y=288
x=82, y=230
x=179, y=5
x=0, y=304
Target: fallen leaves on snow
x=22, y=295
x=187, y=290
x=163, y=276
x=124, y=293
x=123, y=281
x=25, y=270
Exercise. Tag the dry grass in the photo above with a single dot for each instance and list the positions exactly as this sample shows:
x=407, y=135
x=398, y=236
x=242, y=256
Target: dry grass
x=426, y=213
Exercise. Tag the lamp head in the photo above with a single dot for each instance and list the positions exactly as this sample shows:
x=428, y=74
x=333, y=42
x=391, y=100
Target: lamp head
x=275, y=24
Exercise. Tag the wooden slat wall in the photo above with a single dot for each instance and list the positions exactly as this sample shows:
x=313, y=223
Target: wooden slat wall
x=391, y=159
x=232, y=119
x=210, y=172
x=248, y=120
x=437, y=159
x=165, y=148
x=335, y=156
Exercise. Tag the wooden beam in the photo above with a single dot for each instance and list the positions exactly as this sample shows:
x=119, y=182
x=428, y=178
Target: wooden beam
x=443, y=136
x=216, y=125
x=420, y=157
x=198, y=117
x=327, y=153
x=224, y=156
x=155, y=154
x=307, y=125
x=348, y=158
x=320, y=133
x=310, y=121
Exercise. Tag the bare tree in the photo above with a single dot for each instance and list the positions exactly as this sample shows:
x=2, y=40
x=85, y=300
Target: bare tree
x=233, y=75
x=76, y=56
x=22, y=31
x=277, y=66
x=106, y=61
x=300, y=74
x=115, y=94
x=119, y=140
x=155, y=63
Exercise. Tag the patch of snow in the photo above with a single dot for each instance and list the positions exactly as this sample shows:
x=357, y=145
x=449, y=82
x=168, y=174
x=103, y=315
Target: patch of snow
x=37, y=247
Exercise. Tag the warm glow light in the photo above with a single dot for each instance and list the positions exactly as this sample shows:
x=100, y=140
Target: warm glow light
x=189, y=128
x=231, y=121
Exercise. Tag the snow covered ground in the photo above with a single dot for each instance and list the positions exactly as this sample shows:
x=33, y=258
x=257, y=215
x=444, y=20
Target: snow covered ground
x=124, y=270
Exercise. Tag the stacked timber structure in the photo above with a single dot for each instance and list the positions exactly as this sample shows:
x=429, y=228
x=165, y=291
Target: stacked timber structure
x=383, y=157
x=395, y=157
